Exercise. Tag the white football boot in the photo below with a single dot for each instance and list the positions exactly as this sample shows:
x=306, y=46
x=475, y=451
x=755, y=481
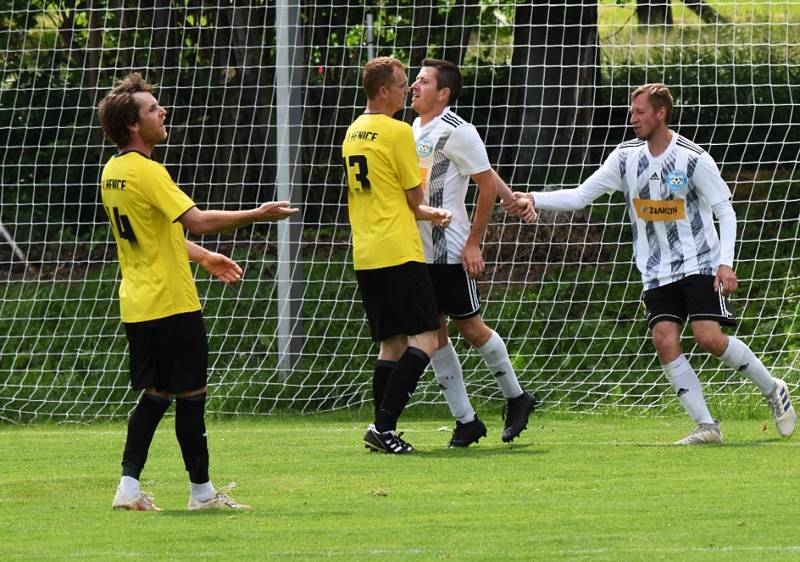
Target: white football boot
x=704, y=434
x=220, y=500
x=143, y=501
x=782, y=409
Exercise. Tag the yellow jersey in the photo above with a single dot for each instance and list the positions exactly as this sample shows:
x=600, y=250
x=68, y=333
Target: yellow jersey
x=380, y=160
x=143, y=205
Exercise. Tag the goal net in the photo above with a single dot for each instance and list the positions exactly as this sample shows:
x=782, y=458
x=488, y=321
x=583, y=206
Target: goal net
x=259, y=95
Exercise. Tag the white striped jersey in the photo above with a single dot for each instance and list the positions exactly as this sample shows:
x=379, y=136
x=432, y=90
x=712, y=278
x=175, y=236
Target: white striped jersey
x=450, y=151
x=670, y=200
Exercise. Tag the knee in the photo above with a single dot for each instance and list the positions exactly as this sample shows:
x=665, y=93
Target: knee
x=476, y=333
x=192, y=393
x=713, y=343
x=158, y=393
x=428, y=342
x=662, y=339
x=666, y=341
x=392, y=348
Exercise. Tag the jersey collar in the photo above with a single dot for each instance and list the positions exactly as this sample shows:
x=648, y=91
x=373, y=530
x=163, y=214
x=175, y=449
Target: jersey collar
x=435, y=120
x=669, y=148
x=124, y=152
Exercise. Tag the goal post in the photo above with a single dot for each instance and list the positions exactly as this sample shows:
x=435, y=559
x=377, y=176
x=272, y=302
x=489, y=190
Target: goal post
x=289, y=186
x=259, y=95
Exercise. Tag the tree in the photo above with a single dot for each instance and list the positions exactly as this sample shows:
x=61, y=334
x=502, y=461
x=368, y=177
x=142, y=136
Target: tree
x=555, y=68
x=442, y=32
x=244, y=122
x=659, y=12
x=654, y=12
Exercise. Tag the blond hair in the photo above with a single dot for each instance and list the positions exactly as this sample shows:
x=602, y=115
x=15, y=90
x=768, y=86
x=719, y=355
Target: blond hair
x=378, y=73
x=658, y=95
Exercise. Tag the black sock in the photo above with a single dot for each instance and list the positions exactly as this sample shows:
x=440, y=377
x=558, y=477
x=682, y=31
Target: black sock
x=141, y=427
x=380, y=376
x=399, y=388
x=190, y=428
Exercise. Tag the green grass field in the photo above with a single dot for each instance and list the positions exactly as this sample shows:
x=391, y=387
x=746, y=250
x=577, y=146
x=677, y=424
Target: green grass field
x=581, y=488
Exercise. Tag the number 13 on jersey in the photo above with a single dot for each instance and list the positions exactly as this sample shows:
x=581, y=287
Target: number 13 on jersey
x=355, y=167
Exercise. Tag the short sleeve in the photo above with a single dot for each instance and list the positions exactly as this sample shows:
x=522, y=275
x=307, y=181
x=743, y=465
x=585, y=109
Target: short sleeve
x=708, y=182
x=160, y=191
x=406, y=158
x=466, y=150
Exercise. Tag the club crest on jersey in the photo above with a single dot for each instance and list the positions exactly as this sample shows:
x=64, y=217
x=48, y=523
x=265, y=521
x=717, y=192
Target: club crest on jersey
x=424, y=147
x=677, y=180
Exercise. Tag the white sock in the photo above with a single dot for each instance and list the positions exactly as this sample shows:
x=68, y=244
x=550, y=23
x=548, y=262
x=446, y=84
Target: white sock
x=685, y=383
x=495, y=355
x=130, y=486
x=447, y=369
x=202, y=492
x=739, y=357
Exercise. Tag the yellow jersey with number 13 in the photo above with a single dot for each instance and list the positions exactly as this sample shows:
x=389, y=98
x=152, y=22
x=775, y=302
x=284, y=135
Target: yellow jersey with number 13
x=380, y=160
x=143, y=205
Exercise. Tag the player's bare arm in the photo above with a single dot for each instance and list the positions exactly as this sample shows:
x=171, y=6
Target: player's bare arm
x=517, y=206
x=209, y=222
x=439, y=217
x=221, y=267
x=471, y=255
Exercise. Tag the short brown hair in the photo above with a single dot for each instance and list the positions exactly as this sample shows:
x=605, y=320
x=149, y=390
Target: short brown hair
x=447, y=76
x=379, y=72
x=658, y=95
x=118, y=110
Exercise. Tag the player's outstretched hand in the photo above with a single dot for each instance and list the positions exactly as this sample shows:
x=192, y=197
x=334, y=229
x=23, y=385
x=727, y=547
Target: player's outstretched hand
x=221, y=267
x=725, y=281
x=441, y=217
x=521, y=206
x=276, y=210
x=512, y=205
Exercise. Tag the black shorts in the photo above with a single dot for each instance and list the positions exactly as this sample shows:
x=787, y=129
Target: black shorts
x=169, y=354
x=692, y=298
x=399, y=300
x=456, y=292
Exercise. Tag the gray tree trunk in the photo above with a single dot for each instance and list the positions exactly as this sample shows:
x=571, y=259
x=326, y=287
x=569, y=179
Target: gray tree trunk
x=555, y=68
x=704, y=11
x=654, y=12
x=659, y=12
x=241, y=130
x=91, y=77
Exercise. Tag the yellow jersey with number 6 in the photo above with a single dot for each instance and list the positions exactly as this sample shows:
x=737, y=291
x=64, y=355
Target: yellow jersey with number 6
x=381, y=164
x=143, y=204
